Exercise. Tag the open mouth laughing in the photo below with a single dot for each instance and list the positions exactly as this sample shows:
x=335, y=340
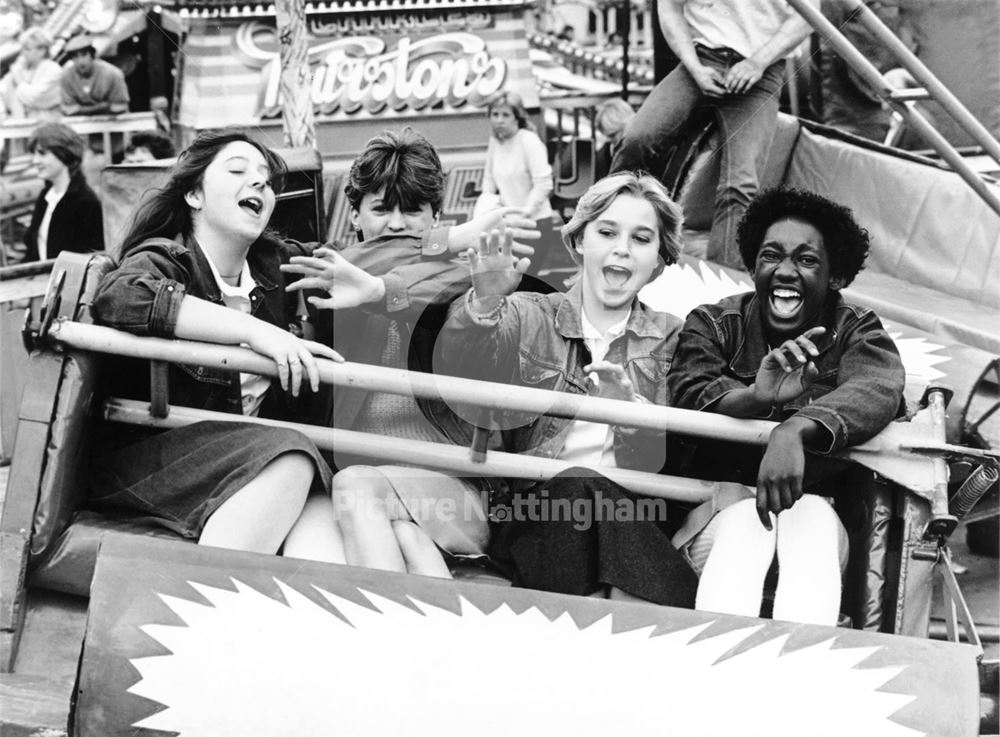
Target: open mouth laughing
x=785, y=301
x=616, y=276
x=254, y=205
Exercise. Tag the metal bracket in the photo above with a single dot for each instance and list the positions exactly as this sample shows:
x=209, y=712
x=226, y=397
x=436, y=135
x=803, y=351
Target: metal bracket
x=945, y=391
x=942, y=522
x=481, y=436
x=159, y=389
x=940, y=527
x=34, y=334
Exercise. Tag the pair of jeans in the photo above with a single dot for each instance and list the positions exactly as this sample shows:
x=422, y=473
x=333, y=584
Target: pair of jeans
x=746, y=124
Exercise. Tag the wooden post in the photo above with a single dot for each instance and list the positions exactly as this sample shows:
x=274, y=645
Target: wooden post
x=296, y=75
x=624, y=28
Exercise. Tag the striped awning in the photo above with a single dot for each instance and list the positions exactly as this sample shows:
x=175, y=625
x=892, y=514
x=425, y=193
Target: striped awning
x=226, y=9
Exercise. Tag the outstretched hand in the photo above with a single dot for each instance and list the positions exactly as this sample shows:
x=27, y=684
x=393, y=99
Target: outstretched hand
x=512, y=219
x=788, y=370
x=609, y=381
x=347, y=285
x=494, y=270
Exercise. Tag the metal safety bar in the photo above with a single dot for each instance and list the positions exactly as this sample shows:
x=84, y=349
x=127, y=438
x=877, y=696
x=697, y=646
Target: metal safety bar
x=425, y=453
x=908, y=453
x=905, y=107
x=424, y=386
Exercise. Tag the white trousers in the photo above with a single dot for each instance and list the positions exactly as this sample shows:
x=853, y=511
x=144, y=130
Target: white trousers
x=811, y=545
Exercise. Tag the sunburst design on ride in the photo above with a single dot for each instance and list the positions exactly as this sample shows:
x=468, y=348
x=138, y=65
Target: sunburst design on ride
x=245, y=663
x=919, y=357
x=684, y=286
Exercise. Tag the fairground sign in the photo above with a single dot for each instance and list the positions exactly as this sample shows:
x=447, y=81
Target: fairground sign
x=359, y=73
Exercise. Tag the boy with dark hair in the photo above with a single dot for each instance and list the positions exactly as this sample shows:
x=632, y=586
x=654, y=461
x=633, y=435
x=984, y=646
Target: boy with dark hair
x=795, y=352
x=396, y=189
x=405, y=166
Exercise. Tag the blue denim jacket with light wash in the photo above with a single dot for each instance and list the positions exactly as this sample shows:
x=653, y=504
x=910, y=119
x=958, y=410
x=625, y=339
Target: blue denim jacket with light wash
x=859, y=389
x=536, y=340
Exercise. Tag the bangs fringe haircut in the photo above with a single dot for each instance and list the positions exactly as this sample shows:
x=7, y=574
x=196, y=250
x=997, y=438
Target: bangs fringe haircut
x=402, y=163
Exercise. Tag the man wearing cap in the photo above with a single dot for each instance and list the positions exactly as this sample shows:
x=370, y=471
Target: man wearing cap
x=91, y=86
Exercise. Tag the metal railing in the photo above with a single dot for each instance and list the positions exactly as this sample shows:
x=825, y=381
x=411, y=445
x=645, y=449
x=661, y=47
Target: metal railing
x=902, y=100
x=109, y=127
x=910, y=453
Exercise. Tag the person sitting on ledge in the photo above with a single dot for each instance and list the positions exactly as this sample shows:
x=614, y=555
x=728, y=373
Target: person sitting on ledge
x=91, y=86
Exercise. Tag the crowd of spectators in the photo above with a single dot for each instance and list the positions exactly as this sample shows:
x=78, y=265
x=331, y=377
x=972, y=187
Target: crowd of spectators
x=37, y=86
x=67, y=213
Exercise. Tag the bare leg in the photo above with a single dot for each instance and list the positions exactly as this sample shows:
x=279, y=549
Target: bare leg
x=258, y=517
x=366, y=505
x=809, y=540
x=419, y=551
x=316, y=534
x=733, y=579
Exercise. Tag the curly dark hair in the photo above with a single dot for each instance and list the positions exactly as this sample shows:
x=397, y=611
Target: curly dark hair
x=847, y=243
x=158, y=143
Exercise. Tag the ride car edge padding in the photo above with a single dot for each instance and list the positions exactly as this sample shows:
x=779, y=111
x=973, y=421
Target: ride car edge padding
x=189, y=639
x=63, y=483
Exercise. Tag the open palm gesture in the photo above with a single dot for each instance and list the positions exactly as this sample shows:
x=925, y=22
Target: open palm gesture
x=494, y=270
x=326, y=270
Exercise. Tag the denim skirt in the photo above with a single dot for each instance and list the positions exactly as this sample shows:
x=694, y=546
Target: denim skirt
x=178, y=478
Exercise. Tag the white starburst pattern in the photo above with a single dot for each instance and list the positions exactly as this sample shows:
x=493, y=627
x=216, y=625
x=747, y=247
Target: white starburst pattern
x=918, y=357
x=681, y=288
x=247, y=664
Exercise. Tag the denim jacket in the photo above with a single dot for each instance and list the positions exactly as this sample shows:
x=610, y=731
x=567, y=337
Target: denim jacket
x=859, y=389
x=143, y=296
x=537, y=341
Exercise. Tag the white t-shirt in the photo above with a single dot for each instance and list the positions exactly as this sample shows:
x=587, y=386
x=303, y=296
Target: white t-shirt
x=593, y=443
x=741, y=25
x=52, y=199
x=253, y=387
